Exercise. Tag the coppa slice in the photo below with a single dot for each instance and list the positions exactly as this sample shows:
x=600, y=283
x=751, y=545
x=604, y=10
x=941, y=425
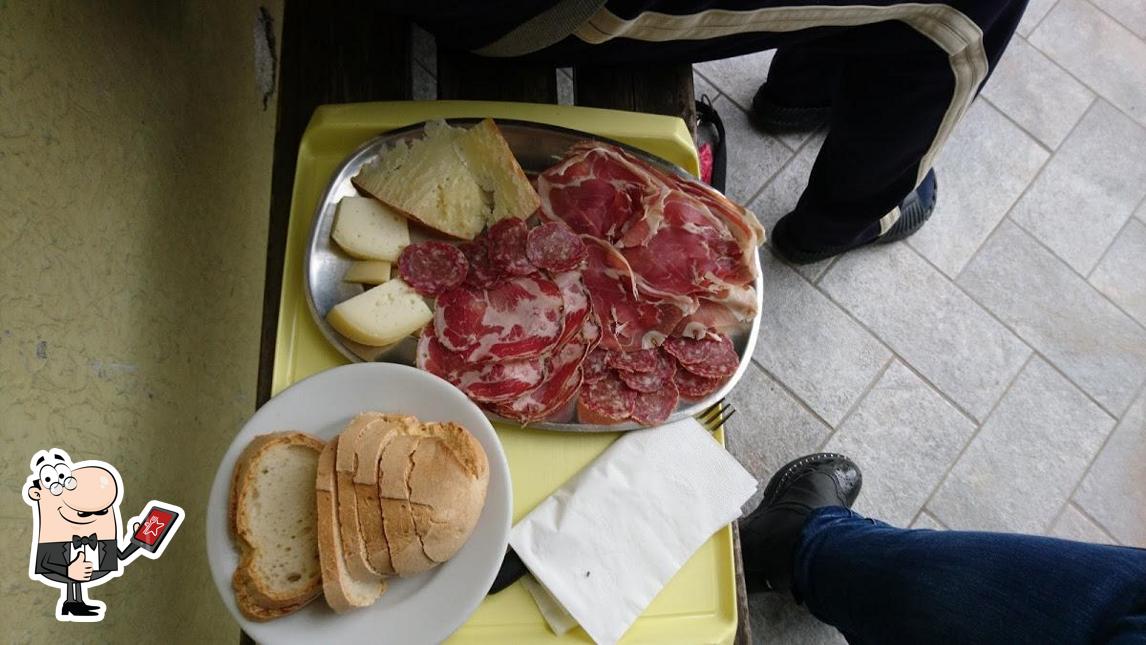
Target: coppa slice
x=519, y=318
x=490, y=381
x=575, y=298
x=562, y=380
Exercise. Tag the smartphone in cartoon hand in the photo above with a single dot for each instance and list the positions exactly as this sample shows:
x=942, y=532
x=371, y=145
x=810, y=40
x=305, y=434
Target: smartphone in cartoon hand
x=155, y=524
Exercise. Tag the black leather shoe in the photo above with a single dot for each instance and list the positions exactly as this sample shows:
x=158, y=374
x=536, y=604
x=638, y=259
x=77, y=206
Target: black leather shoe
x=76, y=608
x=770, y=114
x=914, y=211
x=768, y=535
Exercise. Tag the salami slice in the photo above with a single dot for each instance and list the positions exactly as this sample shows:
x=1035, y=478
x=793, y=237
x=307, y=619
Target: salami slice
x=432, y=267
x=653, y=380
x=704, y=357
x=596, y=365
x=653, y=408
x=607, y=401
x=518, y=318
x=693, y=387
x=555, y=247
x=481, y=273
x=507, y=240
x=643, y=360
x=488, y=382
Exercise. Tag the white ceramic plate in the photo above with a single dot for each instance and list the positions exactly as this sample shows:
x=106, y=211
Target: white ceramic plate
x=423, y=609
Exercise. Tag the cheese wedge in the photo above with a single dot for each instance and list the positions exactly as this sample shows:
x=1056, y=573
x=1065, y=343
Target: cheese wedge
x=368, y=272
x=381, y=316
x=368, y=229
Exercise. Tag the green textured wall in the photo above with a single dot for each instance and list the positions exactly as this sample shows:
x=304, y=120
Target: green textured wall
x=135, y=159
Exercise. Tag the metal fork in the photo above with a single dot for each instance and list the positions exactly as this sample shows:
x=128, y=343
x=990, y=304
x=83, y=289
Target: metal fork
x=716, y=416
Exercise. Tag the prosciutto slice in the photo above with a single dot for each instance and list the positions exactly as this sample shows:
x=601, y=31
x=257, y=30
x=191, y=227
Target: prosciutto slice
x=627, y=322
x=517, y=318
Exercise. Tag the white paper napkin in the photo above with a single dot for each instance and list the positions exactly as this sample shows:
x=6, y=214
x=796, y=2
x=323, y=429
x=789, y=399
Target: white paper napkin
x=607, y=541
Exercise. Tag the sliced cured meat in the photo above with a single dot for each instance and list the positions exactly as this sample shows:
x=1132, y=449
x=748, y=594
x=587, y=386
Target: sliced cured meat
x=481, y=273
x=596, y=365
x=490, y=382
x=555, y=247
x=705, y=357
x=710, y=320
x=654, y=379
x=575, y=298
x=653, y=408
x=642, y=360
x=506, y=240
x=518, y=318
x=592, y=193
x=627, y=323
x=606, y=401
x=432, y=267
x=694, y=387
x=562, y=380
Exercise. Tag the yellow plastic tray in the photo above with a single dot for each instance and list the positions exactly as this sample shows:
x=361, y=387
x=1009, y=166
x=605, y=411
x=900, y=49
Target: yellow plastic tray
x=699, y=604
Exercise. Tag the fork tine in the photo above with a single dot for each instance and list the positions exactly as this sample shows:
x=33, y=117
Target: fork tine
x=717, y=415
x=711, y=413
x=731, y=411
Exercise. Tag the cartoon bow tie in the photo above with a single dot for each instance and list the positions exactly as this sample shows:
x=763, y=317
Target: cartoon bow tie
x=83, y=540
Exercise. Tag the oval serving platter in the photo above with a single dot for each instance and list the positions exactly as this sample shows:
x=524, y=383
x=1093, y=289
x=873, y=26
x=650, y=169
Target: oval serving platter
x=537, y=146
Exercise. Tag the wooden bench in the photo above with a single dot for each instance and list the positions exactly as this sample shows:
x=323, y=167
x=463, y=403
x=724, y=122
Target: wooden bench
x=349, y=52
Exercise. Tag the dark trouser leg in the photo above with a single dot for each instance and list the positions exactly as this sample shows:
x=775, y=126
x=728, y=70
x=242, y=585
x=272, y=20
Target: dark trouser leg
x=73, y=592
x=880, y=584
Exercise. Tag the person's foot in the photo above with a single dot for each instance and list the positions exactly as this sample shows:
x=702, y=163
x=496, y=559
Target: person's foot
x=768, y=535
x=914, y=211
x=75, y=608
x=774, y=115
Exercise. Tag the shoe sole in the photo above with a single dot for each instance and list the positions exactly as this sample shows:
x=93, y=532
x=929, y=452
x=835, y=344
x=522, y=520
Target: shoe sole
x=777, y=119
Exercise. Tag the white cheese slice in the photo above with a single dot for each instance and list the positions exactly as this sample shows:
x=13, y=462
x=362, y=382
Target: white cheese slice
x=367, y=272
x=367, y=229
x=381, y=316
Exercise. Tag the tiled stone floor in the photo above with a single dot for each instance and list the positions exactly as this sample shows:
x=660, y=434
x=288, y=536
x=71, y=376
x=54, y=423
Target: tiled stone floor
x=990, y=373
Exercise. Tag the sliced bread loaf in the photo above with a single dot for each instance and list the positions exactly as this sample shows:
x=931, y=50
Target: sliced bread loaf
x=272, y=513
x=342, y=591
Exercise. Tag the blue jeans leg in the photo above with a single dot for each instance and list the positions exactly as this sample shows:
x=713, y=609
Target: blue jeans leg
x=881, y=584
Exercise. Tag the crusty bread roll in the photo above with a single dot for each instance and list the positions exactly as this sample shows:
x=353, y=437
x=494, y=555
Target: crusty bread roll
x=272, y=516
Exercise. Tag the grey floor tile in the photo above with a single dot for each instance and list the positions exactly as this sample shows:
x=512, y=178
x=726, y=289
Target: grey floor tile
x=1027, y=458
x=701, y=86
x=1121, y=274
x=1073, y=525
x=812, y=346
x=927, y=521
x=1037, y=94
x=984, y=167
x=1131, y=13
x=1099, y=51
x=739, y=77
x=1054, y=310
x=933, y=325
x=1141, y=214
x=1114, y=491
x=425, y=85
x=565, y=91
x=770, y=428
x=752, y=157
x=1088, y=189
x=903, y=436
x=1036, y=11
x=425, y=48
x=777, y=619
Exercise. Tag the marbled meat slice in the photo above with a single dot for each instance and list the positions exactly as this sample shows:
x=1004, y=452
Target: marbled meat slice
x=627, y=322
x=606, y=401
x=652, y=380
x=519, y=318
x=489, y=382
x=694, y=387
x=575, y=298
x=554, y=246
x=507, y=241
x=709, y=357
x=432, y=267
x=641, y=360
x=482, y=273
x=562, y=380
x=654, y=408
x=596, y=365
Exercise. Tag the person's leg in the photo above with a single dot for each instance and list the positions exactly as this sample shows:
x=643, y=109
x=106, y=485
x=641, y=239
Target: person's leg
x=880, y=584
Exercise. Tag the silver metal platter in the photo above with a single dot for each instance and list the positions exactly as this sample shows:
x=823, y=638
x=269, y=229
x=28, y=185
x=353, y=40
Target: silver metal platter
x=537, y=146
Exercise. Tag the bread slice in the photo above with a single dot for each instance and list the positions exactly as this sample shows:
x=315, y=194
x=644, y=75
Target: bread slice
x=447, y=483
x=272, y=517
x=350, y=529
x=370, y=446
x=341, y=590
x=453, y=180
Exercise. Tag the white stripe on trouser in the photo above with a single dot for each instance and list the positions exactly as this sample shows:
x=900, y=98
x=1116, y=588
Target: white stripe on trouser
x=956, y=34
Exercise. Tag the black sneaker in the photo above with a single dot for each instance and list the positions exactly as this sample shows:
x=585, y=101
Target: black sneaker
x=914, y=211
x=771, y=115
x=768, y=535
